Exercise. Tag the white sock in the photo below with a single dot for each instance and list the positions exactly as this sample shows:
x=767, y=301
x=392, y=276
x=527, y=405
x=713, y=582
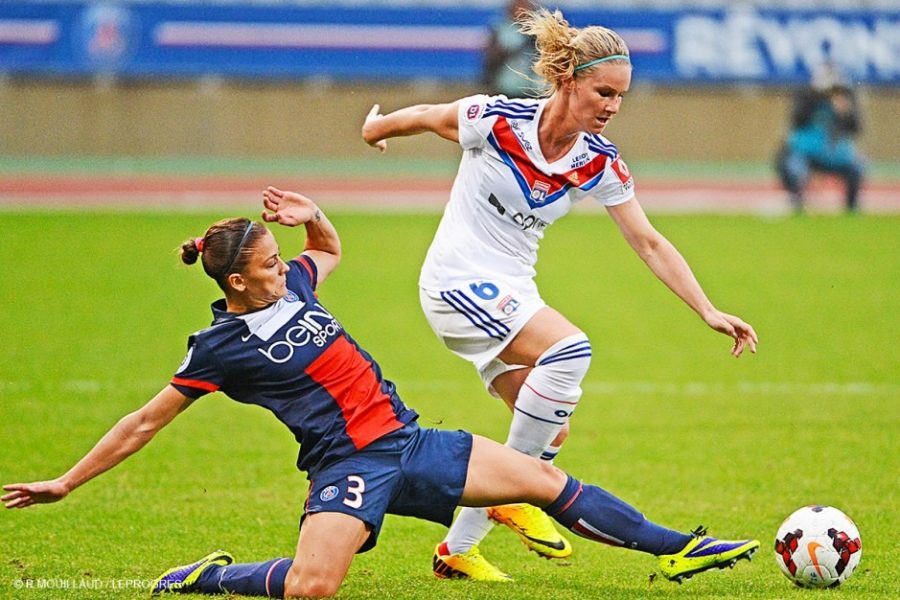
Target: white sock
x=469, y=528
x=549, y=395
x=550, y=453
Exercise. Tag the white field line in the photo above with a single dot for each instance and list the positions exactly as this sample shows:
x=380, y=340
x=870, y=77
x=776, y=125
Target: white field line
x=598, y=388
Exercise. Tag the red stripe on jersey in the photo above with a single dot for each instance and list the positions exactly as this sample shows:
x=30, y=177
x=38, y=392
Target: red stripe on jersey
x=312, y=276
x=196, y=384
x=509, y=143
x=349, y=378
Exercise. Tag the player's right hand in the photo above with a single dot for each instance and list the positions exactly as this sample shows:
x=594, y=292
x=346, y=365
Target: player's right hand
x=22, y=495
x=368, y=127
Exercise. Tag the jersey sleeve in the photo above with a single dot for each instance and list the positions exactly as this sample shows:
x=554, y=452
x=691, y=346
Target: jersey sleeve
x=616, y=186
x=303, y=274
x=199, y=373
x=475, y=120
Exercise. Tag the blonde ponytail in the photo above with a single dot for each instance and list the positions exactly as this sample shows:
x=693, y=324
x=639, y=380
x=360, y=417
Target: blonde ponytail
x=561, y=48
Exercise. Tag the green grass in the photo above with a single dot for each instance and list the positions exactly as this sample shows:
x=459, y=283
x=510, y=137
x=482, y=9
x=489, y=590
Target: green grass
x=97, y=309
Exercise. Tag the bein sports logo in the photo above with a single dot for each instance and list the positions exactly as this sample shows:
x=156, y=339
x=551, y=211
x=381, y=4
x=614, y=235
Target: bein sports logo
x=315, y=326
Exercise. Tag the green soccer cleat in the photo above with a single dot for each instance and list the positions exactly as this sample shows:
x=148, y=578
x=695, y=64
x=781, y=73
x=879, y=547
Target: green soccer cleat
x=534, y=528
x=465, y=565
x=183, y=579
x=703, y=553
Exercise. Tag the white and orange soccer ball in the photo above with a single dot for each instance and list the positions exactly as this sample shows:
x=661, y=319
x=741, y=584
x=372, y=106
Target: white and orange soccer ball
x=818, y=546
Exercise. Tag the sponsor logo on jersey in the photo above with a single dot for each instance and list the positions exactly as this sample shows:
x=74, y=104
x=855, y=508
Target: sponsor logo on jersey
x=622, y=172
x=522, y=220
x=186, y=361
x=579, y=161
x=539, y=191
x=316, y=327
x=508, y=305
x=473, y=112
x=329, y=493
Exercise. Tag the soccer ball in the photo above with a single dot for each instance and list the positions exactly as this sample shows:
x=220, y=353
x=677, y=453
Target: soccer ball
x=817, y=546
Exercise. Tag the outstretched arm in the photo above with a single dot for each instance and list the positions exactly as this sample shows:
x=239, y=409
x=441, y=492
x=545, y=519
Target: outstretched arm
x=291, y=209
x=670, y=267
x=436, y=118
x=129, y=435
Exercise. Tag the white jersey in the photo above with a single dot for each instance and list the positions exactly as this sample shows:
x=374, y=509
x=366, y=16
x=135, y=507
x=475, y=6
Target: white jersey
x=505, y=193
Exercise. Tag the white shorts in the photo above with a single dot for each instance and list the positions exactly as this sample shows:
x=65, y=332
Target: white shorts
x=477, y=320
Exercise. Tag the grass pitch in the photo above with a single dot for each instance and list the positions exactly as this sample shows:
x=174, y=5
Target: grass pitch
x=97, y=309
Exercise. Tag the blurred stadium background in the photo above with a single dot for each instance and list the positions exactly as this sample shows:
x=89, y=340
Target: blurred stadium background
x=199, y=102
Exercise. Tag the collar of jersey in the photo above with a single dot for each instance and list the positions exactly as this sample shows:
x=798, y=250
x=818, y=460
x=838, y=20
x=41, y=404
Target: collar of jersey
x=263, y=323
x=531, y=135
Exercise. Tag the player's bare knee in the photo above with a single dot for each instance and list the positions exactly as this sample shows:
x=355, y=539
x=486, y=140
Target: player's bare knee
x=551, y=480
x=310, y=586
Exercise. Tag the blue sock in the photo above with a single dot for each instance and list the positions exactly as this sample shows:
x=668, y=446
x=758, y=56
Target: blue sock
x=248, y=579
x=596, y=514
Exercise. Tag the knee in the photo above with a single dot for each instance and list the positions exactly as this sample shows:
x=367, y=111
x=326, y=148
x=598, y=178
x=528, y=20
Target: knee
x=553, y=480
x=310, y=585
x=571, y=355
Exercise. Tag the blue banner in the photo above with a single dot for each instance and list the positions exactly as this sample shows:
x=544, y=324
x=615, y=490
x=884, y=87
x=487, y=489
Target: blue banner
x=150, y=40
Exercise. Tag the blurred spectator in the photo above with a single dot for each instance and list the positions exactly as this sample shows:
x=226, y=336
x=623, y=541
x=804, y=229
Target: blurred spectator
x=824, y=123
x=509, y=54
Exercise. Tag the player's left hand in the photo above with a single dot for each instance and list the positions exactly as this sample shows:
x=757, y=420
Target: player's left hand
x=287, y=208
x=22, y=495
x=734, y=327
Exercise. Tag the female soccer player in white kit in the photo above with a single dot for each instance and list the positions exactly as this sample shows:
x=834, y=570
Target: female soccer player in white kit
x=525, y=163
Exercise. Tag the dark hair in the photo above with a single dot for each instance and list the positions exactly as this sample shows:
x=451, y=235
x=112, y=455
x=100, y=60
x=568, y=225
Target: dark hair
x=225, y=248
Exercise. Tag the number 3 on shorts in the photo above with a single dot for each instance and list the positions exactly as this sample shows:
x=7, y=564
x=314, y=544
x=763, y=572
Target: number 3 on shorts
x=355, y=488
x=485, y=290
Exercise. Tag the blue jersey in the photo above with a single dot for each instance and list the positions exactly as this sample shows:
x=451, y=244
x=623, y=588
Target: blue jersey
x=295, y=359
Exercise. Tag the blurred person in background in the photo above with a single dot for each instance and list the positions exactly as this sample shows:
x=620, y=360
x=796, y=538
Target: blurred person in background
x=824, y=125
x=525, y=163
x=509, y=53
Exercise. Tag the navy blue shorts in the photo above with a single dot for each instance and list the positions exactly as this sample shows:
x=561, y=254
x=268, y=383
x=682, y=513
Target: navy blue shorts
x=411, y=472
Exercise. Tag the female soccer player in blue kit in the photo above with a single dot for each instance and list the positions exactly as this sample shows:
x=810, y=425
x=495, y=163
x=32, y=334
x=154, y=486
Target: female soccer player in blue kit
x=272, y=343
x=525, y=163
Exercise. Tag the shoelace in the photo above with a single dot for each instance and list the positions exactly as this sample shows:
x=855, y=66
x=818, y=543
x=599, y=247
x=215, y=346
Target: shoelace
x=699, y=532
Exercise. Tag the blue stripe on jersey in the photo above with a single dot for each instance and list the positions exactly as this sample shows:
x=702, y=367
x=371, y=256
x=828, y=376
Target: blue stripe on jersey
x=508, y=114
x=446, y=297
x=517, y=104
x=510, y=110
x=523, y=183
x=590, y=183
x=506, y=158
x=600, y=147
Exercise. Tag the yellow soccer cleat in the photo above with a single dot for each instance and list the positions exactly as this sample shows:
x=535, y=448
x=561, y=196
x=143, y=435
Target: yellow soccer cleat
x=468, y=565
x=703, y=553
x=534, y=528
x=184, y=578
